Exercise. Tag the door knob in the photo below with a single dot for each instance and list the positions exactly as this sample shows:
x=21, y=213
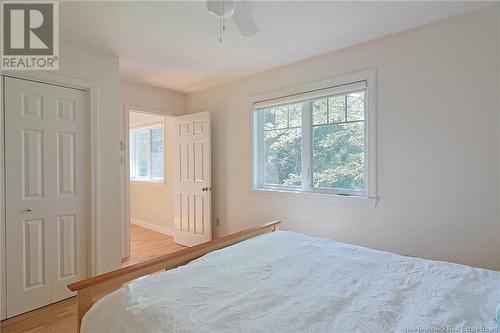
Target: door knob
x=28, y=210
x=204, y=188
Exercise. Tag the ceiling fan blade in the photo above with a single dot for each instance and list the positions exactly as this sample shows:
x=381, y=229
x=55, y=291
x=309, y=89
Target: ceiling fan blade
x=244, y=21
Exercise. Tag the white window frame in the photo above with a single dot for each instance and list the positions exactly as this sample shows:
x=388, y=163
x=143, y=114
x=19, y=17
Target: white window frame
x=306, y=91
x=148, y=178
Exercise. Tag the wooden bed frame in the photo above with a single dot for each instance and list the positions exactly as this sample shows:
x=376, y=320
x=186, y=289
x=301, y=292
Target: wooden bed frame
x=90, y=290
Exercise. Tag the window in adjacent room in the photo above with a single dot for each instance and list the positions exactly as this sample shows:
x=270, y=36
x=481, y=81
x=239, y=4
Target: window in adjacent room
x=147, y=153
x=316, y=141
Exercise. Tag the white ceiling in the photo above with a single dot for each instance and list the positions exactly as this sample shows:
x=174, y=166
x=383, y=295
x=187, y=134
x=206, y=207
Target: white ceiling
x=175, y=44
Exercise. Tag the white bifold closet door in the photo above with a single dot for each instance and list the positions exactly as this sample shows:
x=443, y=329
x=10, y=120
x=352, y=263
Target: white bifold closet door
x=47, y=172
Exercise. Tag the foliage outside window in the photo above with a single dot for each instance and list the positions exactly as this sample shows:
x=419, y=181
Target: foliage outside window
x=282, y=145
x=316, y=144
x=147, y=153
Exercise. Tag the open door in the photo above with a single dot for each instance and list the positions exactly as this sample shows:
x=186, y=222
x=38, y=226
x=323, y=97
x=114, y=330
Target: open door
x=192, y=196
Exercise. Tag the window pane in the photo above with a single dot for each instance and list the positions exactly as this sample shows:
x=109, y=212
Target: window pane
x=269, y=119
x=282, y=161
x=157, y=152
x=281, y=117
x=295, y=115
x=320, y=111
x=142, y=148
x=338, y=156
x=282, y=145
x=336, y=112
x=356, y=106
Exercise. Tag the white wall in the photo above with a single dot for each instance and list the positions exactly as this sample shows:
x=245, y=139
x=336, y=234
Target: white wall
x=163, y=100
x=437, y=145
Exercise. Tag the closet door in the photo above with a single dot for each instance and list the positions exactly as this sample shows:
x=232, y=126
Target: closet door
x=70, y=199
x=46, y=202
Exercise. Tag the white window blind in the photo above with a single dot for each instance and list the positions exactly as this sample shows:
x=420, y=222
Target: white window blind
x=295, y=98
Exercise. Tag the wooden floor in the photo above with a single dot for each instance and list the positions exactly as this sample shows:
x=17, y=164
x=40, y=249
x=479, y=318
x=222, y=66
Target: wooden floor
x=147, y=244
x=61, y=317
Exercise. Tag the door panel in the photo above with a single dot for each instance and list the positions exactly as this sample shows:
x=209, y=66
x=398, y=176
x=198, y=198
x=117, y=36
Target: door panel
x=184, y=216
x=66, y=163
x=193, y=220
x=198, y=214
x=34, y=253
x=32, y=105
x=47, y=176
x=67, y=246
x=66, y=109
x=198, y=161
x=32, y=165
x=184, y=161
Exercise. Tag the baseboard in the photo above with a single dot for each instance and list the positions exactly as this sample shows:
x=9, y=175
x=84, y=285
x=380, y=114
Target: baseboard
x=154, y=227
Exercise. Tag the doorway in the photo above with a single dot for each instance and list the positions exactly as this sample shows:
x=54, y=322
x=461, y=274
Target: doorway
x=149, y=204
x=166, y=174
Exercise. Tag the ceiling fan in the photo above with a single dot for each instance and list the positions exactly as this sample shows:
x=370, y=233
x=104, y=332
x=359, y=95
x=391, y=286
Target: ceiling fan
x=235, y=10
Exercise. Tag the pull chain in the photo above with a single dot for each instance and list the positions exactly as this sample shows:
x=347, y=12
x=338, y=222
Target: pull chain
x=220, y=30
x=223, y=17
x=222, y=23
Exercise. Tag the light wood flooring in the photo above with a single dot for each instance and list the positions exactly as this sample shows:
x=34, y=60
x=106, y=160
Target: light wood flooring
x=61, y=317
x=147, y=244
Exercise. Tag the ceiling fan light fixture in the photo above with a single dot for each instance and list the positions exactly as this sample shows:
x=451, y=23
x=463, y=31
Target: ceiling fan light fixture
x=235, y=10
x=222, y=8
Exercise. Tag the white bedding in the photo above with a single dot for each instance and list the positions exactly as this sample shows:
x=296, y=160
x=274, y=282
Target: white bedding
x=289, y=282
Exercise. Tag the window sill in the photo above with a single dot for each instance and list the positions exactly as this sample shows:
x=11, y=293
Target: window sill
x=367, y=201
x=146, y=182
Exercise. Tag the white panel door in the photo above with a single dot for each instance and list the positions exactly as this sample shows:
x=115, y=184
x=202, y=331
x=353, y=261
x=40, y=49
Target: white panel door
x=193, y=204
x=46, y=169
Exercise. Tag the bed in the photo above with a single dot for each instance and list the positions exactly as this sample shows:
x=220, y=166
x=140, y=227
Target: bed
x=284, y=281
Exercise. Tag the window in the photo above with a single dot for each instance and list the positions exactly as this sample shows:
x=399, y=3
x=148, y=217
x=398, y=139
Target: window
x=282, y=145
x=147, y=153
x=317, y=141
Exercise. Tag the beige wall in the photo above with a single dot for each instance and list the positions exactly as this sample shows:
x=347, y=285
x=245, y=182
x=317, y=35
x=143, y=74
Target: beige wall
x=437, y=145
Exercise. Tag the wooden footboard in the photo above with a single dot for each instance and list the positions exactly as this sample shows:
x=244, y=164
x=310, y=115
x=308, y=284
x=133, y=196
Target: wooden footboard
x=90, y=290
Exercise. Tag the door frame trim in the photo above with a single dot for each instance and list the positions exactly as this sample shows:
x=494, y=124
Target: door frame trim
x=125, y=170
x=91, y=89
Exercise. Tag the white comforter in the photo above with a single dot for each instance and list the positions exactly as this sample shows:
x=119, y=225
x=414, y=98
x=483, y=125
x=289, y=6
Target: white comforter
x=289, y=282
